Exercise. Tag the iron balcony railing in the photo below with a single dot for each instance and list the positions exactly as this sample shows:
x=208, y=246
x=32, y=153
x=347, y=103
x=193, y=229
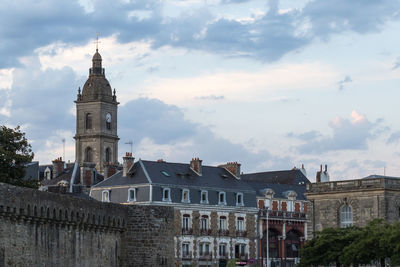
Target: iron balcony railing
x=187, y=231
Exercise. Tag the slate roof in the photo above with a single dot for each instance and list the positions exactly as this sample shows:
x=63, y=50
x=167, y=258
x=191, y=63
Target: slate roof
x=376, y=176
x=65, y=175
x=178, y=174
x=279, y=181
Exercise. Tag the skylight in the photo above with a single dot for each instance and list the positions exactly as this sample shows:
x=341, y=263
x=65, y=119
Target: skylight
x=165, y=173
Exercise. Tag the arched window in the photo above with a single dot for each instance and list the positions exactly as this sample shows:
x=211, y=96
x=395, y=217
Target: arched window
x=88, y=154
x=108, y=154
x=346, y=216
x=88, y=121
x=292, y=243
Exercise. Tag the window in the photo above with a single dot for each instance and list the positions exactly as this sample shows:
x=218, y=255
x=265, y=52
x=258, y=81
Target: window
x=166, y=194
x=88, y=121
x=185, y=196
x=240, y=250
x=204, y=222
x=221, y=198
x=88, y=154
x=222, y=250
x=240, y=224
x=346, y=216
x=204, y=249
x=185, y=222
x=204, y=197
x=108, y=154
x=239, y=199
x=165, y=173
x=222, y=223
x=105, y=196
x=185, y=249
x=131, y=194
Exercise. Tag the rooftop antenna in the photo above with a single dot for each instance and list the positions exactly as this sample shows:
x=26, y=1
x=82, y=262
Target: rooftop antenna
x=130, y=143
x=63, y=141
x=97, y=42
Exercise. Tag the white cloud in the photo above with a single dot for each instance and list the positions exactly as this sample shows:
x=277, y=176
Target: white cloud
x=6, y=77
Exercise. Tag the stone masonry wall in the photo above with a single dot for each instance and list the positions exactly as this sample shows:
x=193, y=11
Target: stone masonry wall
x=46, y=229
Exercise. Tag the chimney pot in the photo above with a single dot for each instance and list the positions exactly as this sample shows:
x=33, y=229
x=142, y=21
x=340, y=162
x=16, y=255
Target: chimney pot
x=195, y=165
x=128, y=161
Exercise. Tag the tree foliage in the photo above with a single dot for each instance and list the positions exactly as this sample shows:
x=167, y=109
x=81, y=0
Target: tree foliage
x=15, y=152
x=353, y=245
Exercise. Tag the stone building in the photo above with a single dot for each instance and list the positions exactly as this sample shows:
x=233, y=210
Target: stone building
x=353, y=202
x=281, y=201
x=96, y=138
x=215, y=211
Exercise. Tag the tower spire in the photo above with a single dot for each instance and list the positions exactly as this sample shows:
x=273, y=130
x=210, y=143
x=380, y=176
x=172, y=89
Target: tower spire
x=97, y=42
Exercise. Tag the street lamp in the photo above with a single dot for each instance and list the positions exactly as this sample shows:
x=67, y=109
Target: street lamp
x=266, y=210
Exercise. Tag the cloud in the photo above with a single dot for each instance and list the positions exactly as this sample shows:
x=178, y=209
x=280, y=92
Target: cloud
x=394, y=138
x=348, y=134
x=210, y=97
x=265, y=37
x=341, y=83
x=396, y=65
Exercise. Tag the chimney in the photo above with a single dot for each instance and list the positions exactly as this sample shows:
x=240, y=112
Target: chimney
x=58, y=167
x=325, y=175
x=303, y=170
x=109, y=169
x=195, y=165
x=128, y=162
x=232, y=167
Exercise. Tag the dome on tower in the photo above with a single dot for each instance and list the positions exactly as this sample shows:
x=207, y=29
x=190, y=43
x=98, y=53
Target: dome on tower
x=97, y=86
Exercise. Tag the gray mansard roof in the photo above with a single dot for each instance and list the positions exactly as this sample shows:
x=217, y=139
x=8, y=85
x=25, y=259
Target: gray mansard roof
x=279, y=181
x=177, y=174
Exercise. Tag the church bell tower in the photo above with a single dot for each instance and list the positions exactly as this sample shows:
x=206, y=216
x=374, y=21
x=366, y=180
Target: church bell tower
x=96, y=138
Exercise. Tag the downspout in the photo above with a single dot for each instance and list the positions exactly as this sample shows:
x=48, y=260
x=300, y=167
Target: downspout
x=73, y=176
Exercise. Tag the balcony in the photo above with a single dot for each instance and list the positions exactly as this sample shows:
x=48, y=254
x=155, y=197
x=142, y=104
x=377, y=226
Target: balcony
x=223, y=232
x=187, y=231
x=277, y=214
x=241, y=233
x=223, y=256
x=205, y=231
x=205, y=256
x=186, y=255
x=242, y=256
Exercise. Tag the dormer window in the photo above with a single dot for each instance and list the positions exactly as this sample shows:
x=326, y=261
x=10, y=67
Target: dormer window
x=105, y=196
x=166, y=194
x=132, y=194
x=204, y=197
x=185, y=196
x=239, y=199
x=221, y=198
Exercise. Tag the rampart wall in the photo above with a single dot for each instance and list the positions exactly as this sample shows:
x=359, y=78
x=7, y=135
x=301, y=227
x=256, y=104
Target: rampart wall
x=46, y=229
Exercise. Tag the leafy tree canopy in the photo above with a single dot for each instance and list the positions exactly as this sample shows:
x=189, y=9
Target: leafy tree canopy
x=15, y=152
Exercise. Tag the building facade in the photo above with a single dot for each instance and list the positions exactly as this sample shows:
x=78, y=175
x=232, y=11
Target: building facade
x=353, y=202
x=215, y=211
x=282, y=212
x=96, y=138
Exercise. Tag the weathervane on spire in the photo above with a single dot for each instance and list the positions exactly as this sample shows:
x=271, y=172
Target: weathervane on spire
x=97, y=42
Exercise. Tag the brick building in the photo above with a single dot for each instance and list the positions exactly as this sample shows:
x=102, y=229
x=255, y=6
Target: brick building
x=353, y=202
x=281, y=201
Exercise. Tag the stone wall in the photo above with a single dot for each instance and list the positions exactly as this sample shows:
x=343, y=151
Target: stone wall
x=46, y=229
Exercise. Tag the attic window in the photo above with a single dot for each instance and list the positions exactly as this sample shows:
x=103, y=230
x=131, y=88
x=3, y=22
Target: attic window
x=165, y=173
x=224, y=176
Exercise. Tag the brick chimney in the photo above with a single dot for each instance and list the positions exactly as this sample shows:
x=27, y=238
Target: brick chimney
x=58, y=167
x=109, y=169
x=318, y=178
x=128, y=162
x=232, y=167
x=195, y=165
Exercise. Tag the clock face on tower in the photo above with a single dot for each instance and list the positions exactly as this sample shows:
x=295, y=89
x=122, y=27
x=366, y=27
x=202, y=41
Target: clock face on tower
x=108, y=117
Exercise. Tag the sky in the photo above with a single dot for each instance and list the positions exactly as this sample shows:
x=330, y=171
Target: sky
x=269, y=84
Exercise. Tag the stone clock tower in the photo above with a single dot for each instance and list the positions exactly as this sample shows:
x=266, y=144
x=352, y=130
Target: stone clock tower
x=96, y=139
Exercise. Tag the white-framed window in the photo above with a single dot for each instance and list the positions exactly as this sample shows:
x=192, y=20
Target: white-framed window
x=185, y=249
x=186, y=222
x=222, y=198
x=204, y=222
x=185, y=196
x=239, y=199
x=222, y=250
x=166, y=194
x=132, y=194
x=346, y=216
x=204, y=249
x=105, y=196
x=222, y=223
x=240, y=224
x=240, y=250
x=204, y=197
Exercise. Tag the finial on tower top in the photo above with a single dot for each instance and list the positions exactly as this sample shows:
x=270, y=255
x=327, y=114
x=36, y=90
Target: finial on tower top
x=97, y=42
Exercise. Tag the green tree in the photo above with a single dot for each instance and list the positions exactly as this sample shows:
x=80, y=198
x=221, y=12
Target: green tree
x=15, y=152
